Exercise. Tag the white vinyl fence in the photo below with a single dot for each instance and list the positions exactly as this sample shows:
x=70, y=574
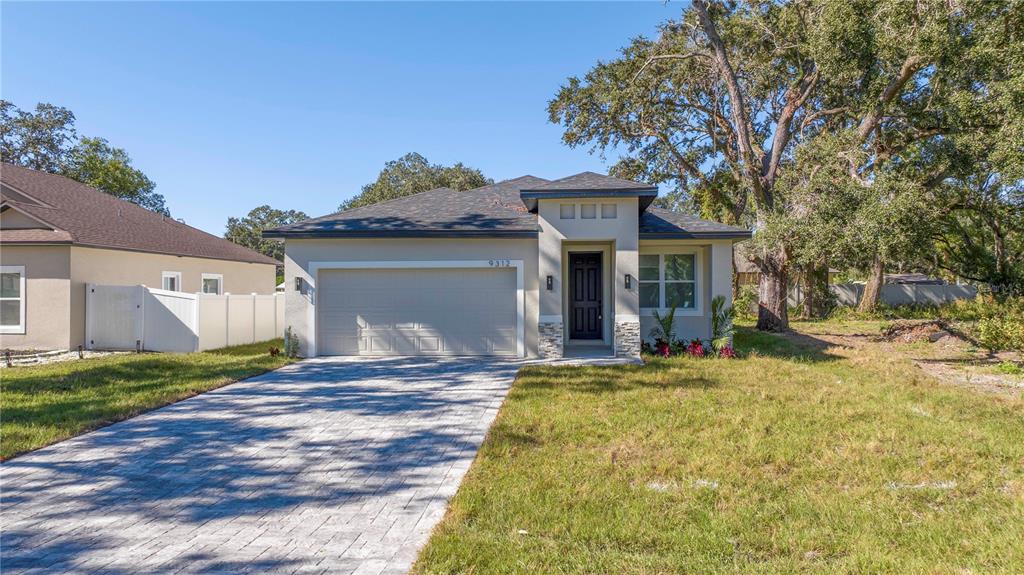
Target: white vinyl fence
x=131, y=317
x=906, y=294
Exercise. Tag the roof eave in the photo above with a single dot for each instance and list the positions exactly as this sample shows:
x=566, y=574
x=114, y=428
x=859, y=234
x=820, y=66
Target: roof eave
x=684, y=235
x=357, y=234
x=645, y=195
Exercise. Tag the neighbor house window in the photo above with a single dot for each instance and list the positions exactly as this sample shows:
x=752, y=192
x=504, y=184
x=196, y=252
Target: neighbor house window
x=609, y=211
x=171, y=281
x=213, y=283
x=588, y=211
x=12, y=299
x=567, y=211
x=668, y=280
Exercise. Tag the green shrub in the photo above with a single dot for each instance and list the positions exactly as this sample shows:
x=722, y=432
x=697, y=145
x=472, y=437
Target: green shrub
x=1001, y=332
x=1010, y=368
x=746, y=302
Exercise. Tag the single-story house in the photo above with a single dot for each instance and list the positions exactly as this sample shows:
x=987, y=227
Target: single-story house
x=525, y=267
x=57, y=235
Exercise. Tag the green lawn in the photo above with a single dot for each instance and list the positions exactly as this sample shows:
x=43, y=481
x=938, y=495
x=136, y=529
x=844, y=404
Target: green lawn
x=40, y=405
x=792, y=459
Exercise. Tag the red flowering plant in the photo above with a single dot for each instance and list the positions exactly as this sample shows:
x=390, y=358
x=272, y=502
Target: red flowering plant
x=727, y=352
x=695, y=349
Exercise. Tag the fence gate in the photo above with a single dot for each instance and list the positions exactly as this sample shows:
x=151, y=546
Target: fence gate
x=114, y=316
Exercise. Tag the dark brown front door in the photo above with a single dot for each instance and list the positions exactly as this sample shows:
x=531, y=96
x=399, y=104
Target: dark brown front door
x=585, y=296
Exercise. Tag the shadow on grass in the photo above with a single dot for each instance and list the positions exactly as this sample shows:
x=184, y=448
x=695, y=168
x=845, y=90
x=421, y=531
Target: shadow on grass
x=614, y=379
x=786, y=345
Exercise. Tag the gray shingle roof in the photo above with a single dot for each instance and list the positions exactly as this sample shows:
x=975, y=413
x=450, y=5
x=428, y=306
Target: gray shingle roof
x=491, y=211
x=495, y=210
x=589, y=181
x=659, y=222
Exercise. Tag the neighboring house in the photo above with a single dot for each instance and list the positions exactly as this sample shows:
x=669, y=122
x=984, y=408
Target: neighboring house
x=525, y=267
x=57, y=235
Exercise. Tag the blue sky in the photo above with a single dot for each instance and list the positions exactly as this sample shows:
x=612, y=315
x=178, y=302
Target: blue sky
x=228, y=106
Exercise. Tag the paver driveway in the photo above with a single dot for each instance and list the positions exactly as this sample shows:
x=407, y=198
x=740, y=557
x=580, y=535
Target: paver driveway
x=326, y=465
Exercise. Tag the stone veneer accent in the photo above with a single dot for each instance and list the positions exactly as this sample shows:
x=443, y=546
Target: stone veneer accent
x=627, y=339
x=551, y=340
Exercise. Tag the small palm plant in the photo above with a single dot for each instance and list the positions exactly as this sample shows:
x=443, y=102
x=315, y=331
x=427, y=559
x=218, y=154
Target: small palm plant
x=664, y=331
x=721, y=323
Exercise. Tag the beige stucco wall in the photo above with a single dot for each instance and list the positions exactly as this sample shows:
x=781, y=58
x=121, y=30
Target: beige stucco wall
x=47, y=296
x=299, y=254
x=12, y=219
x=559, y=236
x=714, y=274
x=118, y=267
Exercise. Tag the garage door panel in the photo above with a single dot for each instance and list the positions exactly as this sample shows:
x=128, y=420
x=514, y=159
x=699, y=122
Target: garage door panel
x=417, y=312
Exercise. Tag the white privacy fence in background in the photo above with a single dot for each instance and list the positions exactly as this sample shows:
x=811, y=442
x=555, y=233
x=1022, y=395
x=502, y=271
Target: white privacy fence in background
x=907, y=294
x=130, y=317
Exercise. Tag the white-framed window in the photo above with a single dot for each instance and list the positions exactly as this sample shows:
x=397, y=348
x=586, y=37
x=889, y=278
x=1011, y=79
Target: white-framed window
x=588, y=211
x=12, y=299
x=213, y=283
x=609, y=211
x=170, y=281
x=667, y=280
x=567, y=211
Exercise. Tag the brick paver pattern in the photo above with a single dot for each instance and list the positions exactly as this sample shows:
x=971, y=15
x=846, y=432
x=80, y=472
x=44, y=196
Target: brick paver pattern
x=324, y=466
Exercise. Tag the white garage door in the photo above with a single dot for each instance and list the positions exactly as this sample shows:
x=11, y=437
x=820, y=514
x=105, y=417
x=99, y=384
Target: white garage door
x=417, y=312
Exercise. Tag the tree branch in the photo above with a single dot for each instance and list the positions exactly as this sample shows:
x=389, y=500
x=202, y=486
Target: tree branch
x=737, y=107
x=893, y=89
x=654, y=59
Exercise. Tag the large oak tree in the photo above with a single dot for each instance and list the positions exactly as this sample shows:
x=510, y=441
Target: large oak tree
x=722, y=100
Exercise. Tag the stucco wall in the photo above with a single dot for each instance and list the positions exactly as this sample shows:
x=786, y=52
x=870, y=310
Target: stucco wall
x=11, y=219
x=299, y=253
x=621, y=232
x=117, y=267
x=47, y=296
x=714, y=276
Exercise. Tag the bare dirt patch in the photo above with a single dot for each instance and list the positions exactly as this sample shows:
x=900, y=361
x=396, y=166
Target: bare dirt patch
x=938, y=348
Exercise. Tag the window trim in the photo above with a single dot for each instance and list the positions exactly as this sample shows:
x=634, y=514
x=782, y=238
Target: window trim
x=220, y=283
x=698, y=275
x=614, y=211
x=583, y=215
x=20, y=328
x=561, y=212
x=177, y=280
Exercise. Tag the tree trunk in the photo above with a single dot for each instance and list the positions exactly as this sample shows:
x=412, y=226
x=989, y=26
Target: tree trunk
x=809, y=279
x=735, y=278
x=873, y=289
x=772, y=313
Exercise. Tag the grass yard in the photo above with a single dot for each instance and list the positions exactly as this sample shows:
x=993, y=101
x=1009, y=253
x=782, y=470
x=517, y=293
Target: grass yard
x=799, y=457
x=40, y=405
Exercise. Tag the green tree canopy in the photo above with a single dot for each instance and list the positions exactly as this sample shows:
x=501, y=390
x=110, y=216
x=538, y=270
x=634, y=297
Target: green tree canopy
x=412, y=174
x=720, y=103
x=246, y=231
x=46, y=140
x=96, y=163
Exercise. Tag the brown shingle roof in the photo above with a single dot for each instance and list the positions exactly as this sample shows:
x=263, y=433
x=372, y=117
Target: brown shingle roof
x=85, y=216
